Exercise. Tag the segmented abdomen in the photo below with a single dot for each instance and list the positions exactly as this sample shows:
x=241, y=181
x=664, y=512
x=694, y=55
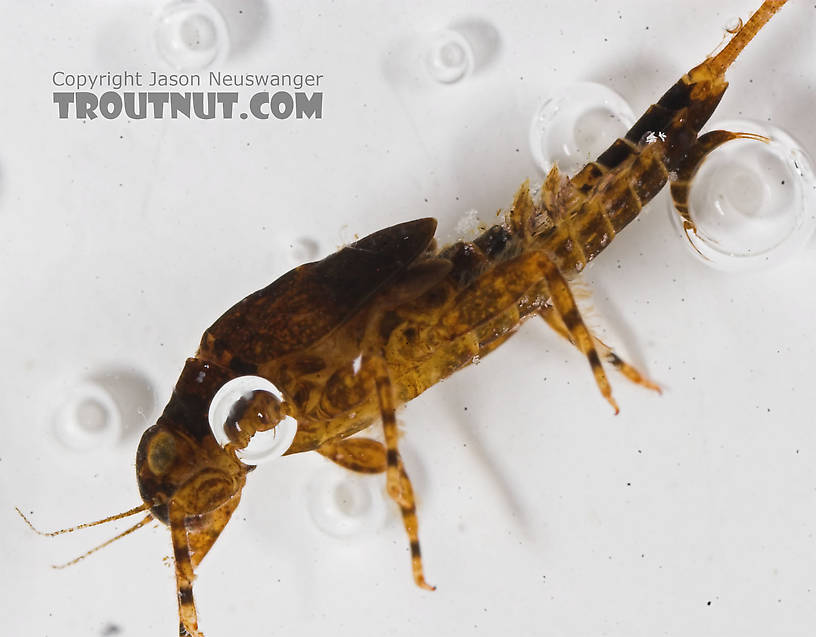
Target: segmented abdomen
x=497, y=280
x=589, y=209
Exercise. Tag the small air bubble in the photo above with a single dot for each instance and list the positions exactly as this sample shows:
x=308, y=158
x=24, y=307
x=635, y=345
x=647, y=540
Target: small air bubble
x=468, y=226
x=191, y=35
x=449, y=57
x=304, y=249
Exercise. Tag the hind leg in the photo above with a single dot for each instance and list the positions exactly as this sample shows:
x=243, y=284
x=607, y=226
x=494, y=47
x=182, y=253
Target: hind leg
x=629, y=371
x=503, y=286
x=564, y=306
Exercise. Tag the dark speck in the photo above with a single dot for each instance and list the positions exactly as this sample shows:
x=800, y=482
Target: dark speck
x=110, y=629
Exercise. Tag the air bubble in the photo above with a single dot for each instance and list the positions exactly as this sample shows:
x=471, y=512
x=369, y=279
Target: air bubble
x=343, y=504
x=751, y=202
x=88, y=419
x=575, y=124
x=449, y=56
x=304, y=249
x=265, y=445
x=191, y=35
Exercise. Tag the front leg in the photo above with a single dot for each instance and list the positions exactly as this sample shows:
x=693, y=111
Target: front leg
x=193, y=537
x=188, y=619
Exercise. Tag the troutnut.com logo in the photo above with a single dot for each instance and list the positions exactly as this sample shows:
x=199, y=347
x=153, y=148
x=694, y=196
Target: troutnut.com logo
x=105, y=95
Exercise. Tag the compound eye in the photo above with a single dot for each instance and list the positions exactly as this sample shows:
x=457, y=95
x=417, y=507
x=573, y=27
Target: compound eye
x=161, y=453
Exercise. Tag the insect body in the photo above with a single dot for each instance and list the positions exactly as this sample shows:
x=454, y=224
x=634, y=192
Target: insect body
x=350, y=338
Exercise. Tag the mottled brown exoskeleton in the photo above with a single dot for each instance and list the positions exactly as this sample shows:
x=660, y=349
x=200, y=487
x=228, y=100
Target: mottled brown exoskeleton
x=350, y=338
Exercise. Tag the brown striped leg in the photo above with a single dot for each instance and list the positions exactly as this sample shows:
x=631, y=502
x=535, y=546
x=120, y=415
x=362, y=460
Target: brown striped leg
x=188, y=620
x=397, y=481
x=202, y=536
x=192, y=540
x=362, y=455
x=564, y=304
x=407, y=505
x=629, y=371
x=681, y=183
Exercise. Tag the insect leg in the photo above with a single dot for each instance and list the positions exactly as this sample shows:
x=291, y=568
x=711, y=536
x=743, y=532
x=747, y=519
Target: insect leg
x=554, y=321
x=202, y=536
x=681, y=183
x=564, y=304
x=188, y=620
x=362, y=455
x=397, y=482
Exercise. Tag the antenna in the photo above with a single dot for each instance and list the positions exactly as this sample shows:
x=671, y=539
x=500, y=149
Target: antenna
x=118, y=516
x=136, y=527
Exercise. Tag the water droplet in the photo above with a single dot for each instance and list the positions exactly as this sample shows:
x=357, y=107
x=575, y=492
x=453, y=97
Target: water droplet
x=750, y=200
x=265, y=445
x=304, y=249
x=575, y=124
x=343, y=504
x=191, y=35
x=88, y=418
x=449, y=56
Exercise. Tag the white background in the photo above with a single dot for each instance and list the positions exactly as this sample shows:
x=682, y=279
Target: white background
x=689, y=514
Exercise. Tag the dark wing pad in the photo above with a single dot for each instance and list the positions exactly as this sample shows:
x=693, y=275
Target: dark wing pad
x=309, y=302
